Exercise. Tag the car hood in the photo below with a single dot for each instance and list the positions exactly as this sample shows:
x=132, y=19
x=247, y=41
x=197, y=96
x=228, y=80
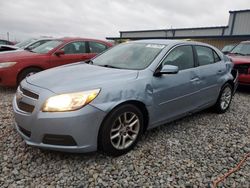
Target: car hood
x=16, y=55
x=240, y=59
x=80, y=77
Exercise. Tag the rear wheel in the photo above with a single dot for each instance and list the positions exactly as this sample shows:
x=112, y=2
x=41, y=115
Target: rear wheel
x=120, y=130
x=26, y=73
x=224, y=99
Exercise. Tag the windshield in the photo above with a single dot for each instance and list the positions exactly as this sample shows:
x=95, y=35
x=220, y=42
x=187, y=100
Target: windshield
x=134, y=56
x=46, y=47
x=25, y=43
x=228, y=48
x=241, y=49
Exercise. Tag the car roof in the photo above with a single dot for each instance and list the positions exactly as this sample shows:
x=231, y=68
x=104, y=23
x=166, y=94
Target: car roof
x=68, y=39
x=169, y=42
x=247, y=41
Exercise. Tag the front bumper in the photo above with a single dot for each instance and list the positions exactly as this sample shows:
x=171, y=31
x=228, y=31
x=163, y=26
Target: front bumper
x=75, y=131
x=7, y=77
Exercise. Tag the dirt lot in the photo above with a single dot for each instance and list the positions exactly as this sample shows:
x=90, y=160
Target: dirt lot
x=191, y=152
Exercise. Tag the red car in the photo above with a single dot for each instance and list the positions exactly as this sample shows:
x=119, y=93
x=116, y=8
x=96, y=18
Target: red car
x=15, y=66
x=240, y=56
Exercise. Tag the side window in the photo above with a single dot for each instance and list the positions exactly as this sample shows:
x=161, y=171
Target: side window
x=75, y=48
x=96, y=47
x=181, y=56
x=205, y=55
x=3, y=42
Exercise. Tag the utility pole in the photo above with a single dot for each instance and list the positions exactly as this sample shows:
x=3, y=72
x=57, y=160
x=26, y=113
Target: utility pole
x=8, y=36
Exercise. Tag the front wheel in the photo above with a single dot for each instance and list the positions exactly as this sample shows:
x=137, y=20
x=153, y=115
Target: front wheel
x=224, y=99
x=120, y=130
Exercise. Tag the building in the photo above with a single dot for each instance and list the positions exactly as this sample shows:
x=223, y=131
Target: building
x=237, y=30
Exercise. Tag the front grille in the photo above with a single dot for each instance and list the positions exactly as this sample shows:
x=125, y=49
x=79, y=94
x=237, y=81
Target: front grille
x=24, y=131
x=62, y=140
x=25, y=107
x=242, y=68
x=29, y=93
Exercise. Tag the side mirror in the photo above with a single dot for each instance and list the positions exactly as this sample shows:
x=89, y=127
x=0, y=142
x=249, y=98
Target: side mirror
x=59, y=52
x=167, y=69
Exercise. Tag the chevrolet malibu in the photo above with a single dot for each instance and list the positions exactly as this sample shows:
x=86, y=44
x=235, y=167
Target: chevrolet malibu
x=108, y=103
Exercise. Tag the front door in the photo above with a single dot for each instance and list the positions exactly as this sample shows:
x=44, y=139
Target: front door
x=176, y=94
x=73, y=52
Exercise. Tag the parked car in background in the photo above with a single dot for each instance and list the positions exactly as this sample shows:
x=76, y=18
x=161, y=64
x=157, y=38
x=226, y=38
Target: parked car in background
x=128, y=89
x=240, y=56
x=29, y=44
x=15, y=66
x=228, y=48
x=6, y=42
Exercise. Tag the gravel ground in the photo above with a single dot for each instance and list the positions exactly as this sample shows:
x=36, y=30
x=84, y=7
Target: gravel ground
x=190, y=152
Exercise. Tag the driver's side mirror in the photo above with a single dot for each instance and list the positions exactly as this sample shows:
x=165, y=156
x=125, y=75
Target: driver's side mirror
x=166, y=69
x=59, y=52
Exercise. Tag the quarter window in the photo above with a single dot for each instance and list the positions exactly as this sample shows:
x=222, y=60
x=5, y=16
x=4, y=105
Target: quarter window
x=181, y=56
x=75, y=48
x=216, y=57
x=206, y=55
x=96, y=47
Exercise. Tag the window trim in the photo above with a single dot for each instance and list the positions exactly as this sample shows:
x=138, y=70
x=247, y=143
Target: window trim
x=159, y=66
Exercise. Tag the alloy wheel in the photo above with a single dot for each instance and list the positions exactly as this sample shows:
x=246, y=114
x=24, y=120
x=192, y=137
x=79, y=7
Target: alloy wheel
x=125, y=130
x=225, y=98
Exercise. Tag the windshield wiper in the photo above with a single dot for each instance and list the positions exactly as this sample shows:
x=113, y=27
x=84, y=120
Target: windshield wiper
x=89, y=62
x=237, y=53
x=110, y=66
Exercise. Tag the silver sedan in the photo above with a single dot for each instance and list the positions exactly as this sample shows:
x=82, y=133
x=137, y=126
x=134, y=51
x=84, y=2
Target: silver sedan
x=108, y=102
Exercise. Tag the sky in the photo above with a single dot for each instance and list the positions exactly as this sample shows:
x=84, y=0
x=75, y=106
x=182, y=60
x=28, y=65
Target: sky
x=99, y=19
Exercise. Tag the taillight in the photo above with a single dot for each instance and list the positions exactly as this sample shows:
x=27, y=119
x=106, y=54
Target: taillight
x=248, y=70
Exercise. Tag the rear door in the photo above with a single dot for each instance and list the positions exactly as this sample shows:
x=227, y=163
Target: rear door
x=211, y=69
x=73, y=52
x=177, y=94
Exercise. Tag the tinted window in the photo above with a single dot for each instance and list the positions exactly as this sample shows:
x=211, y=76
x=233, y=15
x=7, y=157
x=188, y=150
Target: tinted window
x=181, y=56
x=75, y=48
x=205, y=55
x=96, y=47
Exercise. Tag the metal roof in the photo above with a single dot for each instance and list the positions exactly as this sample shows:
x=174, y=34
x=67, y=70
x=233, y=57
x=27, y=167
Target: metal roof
x=238, y=27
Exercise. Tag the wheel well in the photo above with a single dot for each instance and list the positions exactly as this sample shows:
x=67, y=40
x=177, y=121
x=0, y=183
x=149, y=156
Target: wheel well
x=231, y=83
x=32, y=67
x=142, y=108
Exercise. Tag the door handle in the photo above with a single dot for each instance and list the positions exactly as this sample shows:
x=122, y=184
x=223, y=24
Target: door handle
x=195, y=79
x=219, y=71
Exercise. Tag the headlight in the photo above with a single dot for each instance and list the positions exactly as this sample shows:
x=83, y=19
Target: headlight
x=7, y=64
x=70, y=101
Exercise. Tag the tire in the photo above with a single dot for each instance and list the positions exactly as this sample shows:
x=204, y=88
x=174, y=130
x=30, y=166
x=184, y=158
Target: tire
x=224, y=99
x=117, y=136
x=26, y=73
